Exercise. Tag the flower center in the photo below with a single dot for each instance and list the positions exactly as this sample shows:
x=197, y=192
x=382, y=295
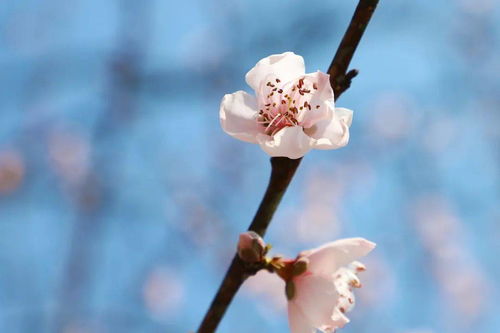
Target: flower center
x=284, y=105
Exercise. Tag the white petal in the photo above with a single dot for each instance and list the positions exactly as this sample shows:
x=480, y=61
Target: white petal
x=238, y=116
x=339, y=319
x=345, y=115
x=297, y=321
x=317, y=297
x=289, y=142
x=321, y=94
x=332, y=133
x=344, y=283
x=285, y=66
x=331, y=256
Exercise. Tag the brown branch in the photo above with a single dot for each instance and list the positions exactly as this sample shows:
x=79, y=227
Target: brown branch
x=339, y=80
x=284, y=168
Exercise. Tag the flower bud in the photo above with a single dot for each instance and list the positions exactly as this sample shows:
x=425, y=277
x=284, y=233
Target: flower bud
x=251, y=247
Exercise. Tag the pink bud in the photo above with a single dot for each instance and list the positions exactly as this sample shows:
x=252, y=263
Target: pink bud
x=251, y=247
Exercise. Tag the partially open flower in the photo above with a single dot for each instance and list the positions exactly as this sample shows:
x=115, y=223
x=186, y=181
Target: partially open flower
x=292, y=112
x=251, y=247
x=319, y=285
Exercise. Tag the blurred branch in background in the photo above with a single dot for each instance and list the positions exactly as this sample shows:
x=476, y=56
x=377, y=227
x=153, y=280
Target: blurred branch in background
x=283, y=169
x=95, y=192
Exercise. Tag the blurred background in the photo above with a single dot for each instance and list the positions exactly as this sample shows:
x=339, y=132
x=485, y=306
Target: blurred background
x=121, y=198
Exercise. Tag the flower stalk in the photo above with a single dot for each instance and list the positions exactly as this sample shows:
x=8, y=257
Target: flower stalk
x=283, y=169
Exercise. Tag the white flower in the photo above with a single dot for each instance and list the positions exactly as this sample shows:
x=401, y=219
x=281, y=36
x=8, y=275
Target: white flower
x=319, y=286
x=292, y=112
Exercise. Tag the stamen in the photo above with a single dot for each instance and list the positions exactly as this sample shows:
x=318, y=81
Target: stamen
x=272, y=121
x=282, y=111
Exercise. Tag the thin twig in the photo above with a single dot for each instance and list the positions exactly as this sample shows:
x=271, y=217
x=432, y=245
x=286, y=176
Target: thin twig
x=282, y=172
x=339, y=80
x=284, y=168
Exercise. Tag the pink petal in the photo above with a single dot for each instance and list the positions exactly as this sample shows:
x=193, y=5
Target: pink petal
x=297, y=321
x=317, y=297
x=238, y=116
x=344, y=115
x=319, y=98
x=339, y=319
x=285, y=67
x=331, y=256
x=332, y=133
x=265, y=90
x=289, y=142
x=310, y=94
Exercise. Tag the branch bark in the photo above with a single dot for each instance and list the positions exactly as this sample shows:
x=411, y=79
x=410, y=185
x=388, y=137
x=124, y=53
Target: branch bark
x=340, y=79
x=284, y=168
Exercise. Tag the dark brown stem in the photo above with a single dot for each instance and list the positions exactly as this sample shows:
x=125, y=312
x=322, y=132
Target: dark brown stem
x=284, y=168
x=339, y=80
x=282, y=172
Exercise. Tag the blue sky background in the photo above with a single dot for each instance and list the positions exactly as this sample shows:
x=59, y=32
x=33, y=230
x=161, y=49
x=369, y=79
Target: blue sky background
x=121, y=198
